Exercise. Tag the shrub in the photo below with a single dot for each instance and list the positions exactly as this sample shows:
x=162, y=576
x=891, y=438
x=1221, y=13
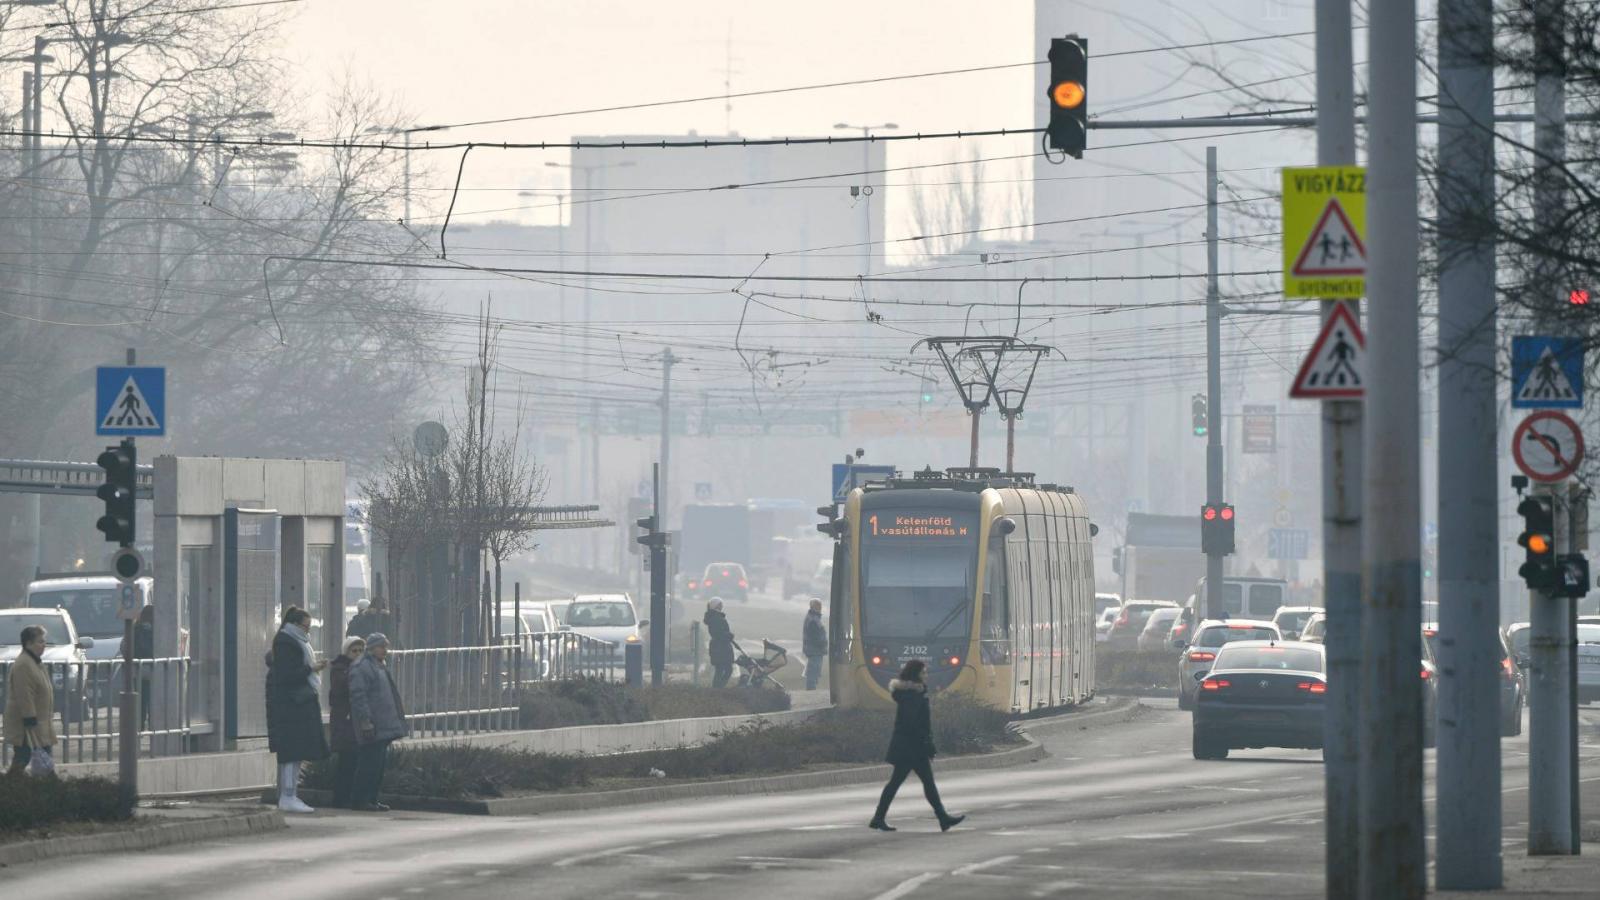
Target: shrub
x=28, y=803
x=687, y=701
x=1136, y=670
x=587, y=701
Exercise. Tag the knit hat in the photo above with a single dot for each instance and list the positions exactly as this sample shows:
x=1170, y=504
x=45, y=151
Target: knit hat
x=351, y=641
x=715, y=603
x=377, y=639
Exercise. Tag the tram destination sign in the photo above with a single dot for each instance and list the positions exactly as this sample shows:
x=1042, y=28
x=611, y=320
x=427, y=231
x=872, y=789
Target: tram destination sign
x=920, y=525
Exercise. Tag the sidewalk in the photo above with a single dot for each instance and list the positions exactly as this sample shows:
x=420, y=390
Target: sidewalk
x=1547, y=876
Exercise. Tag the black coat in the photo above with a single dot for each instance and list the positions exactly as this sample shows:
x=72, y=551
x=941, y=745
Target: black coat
x=294, y=712
x=814, y=637
x=721, y=637
x=340, y=724
x=912, y=742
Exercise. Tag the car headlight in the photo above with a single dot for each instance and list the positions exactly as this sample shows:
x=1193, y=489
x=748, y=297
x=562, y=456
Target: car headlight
x=633, y=639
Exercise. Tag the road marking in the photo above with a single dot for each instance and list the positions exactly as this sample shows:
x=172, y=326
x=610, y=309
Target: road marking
x=1244, y=790
x=1156, y=836
x=975, y=868
x=906, y=887
x=819, y=827
x=792, y=859
x=600, y=854
x=1251, y=840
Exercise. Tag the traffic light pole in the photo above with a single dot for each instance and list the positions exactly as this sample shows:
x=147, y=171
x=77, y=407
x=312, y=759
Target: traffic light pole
x=1341, y=499
x=1550, y=705
x=1213, y=598
x=127, y=708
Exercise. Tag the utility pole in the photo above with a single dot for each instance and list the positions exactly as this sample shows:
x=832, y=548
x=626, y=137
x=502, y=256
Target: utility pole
x=1213, y=598
x=664, y=495
x=1552, y=785
x=128, y=719
x=1393, y=852
x=1468, y=849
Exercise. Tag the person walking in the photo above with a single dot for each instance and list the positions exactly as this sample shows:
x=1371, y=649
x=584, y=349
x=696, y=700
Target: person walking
x=294, y=710
x=721, y=643
x=363, y=622
x=144, y=647
x=30, y=702
x=911, y=747
x=340, y=725
x=380, y=720
x=814, y=644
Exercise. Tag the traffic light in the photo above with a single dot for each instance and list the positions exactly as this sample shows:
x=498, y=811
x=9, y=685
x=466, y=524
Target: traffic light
x=651, y=537
x=1538, y=569
x=1216, y=529
x=1578, y=296
x=121, y=465
x=1116, y=560
x=1572, y=573
x=927, y=391
x=1068, y=95
x=1198, y=414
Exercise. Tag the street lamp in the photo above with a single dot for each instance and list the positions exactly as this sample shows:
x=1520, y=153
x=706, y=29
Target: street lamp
x=405, y=135
x=864, y=189
x=594, y=405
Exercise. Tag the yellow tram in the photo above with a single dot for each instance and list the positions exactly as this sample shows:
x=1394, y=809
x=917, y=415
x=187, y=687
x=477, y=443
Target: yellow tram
x=988, y=578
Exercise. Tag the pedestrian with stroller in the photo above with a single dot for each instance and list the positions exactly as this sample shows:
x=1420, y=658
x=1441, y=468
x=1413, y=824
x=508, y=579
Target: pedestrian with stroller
x=721, y=643
x=814, y=644
x=340, y=724
x=294, y=708
x=911, y=746
x=380, y=720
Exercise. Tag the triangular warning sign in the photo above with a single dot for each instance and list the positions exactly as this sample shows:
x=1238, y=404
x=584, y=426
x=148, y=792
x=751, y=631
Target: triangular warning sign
x=1547, y=382
x=1333, y=368
x=130, y=409
x=1334, y=247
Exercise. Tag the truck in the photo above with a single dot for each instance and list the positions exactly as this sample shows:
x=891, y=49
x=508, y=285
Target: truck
x=1161, y=558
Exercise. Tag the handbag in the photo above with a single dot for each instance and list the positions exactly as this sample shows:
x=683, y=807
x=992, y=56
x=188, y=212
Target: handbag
x=40, y=762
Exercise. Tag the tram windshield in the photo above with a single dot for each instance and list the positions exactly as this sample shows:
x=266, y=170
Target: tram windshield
x=918, y=574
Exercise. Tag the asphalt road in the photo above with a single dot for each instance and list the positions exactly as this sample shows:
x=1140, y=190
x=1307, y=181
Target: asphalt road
x=1117, y=810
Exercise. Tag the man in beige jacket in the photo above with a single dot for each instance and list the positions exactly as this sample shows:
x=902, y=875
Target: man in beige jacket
x=30, y=701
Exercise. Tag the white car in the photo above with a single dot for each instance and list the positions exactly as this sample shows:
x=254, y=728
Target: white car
x=1102, y=627
x=64, y=653
x=1588, y=663
x=606, y=617
x=1196, y=660
x=1291, y=620
x=93, y=602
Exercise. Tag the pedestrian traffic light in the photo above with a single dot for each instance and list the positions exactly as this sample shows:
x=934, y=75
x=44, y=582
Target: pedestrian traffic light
x=121, y=465
x=1538, y=569
x=1578, y=296
x=1199, y=414
x=1068, y=95
x=1572, y=573
x=1216, y=529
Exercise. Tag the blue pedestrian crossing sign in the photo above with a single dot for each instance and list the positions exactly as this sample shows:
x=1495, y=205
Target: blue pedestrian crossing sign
x=1546, y=372
x=130, y=401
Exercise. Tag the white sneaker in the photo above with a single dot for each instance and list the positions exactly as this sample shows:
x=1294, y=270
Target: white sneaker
x=294, y=805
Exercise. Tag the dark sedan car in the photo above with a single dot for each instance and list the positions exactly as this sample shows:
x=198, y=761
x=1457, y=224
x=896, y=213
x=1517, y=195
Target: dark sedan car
x=1261, y=694
x=1507, y=673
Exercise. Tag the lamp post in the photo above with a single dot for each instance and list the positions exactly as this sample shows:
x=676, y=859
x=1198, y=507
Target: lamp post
x=405, y=161
x=864, y=190
x=593, y=480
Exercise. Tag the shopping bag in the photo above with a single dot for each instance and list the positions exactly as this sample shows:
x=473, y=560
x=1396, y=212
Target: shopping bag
x=40, y=762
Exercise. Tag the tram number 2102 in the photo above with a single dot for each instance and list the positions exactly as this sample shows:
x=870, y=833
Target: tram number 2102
x=910, y=651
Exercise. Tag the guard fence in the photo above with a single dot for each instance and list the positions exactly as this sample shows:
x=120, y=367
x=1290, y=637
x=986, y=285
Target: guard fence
x=87, y=715
x=462, y=690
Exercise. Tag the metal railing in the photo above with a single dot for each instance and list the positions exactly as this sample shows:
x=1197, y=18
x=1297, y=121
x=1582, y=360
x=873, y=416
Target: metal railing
x=461, y=690
x=87, y=708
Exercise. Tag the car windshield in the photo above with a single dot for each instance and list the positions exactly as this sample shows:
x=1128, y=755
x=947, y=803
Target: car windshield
x=603, y=614
x=93, y=610
x=12, y=623
x=559, y=610
x=1217, y=635
x=1288, y=659
x=1160, y=617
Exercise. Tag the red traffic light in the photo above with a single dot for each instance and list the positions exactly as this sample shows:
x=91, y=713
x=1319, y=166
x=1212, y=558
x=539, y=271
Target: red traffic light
x=1578, y=297
x=1209, y=513
x=1227, y=514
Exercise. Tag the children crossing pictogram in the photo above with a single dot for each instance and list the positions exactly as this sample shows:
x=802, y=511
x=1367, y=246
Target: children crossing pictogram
x=1334, y=247
x=1333, y=367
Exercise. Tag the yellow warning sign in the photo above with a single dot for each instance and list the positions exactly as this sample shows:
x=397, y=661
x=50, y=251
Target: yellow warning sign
x=1325, y=232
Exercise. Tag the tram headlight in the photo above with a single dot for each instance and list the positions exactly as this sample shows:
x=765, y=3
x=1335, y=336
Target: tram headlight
x=955, y=660
x=877, y=660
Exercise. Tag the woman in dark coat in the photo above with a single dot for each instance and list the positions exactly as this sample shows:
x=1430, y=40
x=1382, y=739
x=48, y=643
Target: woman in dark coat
x=911, y=748
x=341, y=726
x=721, y=638
x=294, y=709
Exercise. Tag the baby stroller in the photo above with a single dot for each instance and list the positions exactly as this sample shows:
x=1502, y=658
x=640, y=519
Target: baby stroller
x=757, y=672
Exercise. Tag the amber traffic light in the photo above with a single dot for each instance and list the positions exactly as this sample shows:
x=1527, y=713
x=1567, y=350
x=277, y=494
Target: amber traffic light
x=1068, y=93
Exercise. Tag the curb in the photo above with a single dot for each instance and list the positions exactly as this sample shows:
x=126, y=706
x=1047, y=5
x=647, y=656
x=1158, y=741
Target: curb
x=184, y=831
x=1032, y=751
x=1119, y=709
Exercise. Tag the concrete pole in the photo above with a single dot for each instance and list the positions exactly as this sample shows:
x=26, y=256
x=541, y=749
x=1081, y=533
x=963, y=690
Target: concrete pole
x=1550, y=799
x=594, y=405
x=1341, y=498
x=1213, y=598
x=1468, y=799
x=1393, y=851
x=665, y=497
x=405, y=162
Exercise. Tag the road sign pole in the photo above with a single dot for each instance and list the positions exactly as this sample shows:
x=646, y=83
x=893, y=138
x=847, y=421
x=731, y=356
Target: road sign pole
x=1213, y=598
x=1341, y=495
x=1550, y=705
x=1393, y=850
x=1468, y=802
x=127, y=707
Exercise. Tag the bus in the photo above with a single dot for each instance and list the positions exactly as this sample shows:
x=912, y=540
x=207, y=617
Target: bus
x=987, y=578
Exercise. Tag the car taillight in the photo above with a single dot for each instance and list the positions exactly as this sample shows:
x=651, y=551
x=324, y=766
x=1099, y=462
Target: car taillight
x=727, y=574
x=1425, y=675
x=743, y=583
x=693, y=585
x=1122, y=619
x=1315, y=687
x=1215, y=684
x=1202, y=656
x=1505, y=666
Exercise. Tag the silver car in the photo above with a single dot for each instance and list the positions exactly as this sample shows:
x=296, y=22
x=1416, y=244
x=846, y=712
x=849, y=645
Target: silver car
x=1210, y=635
x=1154, y=634
x=1588, y=663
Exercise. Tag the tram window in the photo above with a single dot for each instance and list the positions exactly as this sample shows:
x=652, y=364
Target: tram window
x=995, y=623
